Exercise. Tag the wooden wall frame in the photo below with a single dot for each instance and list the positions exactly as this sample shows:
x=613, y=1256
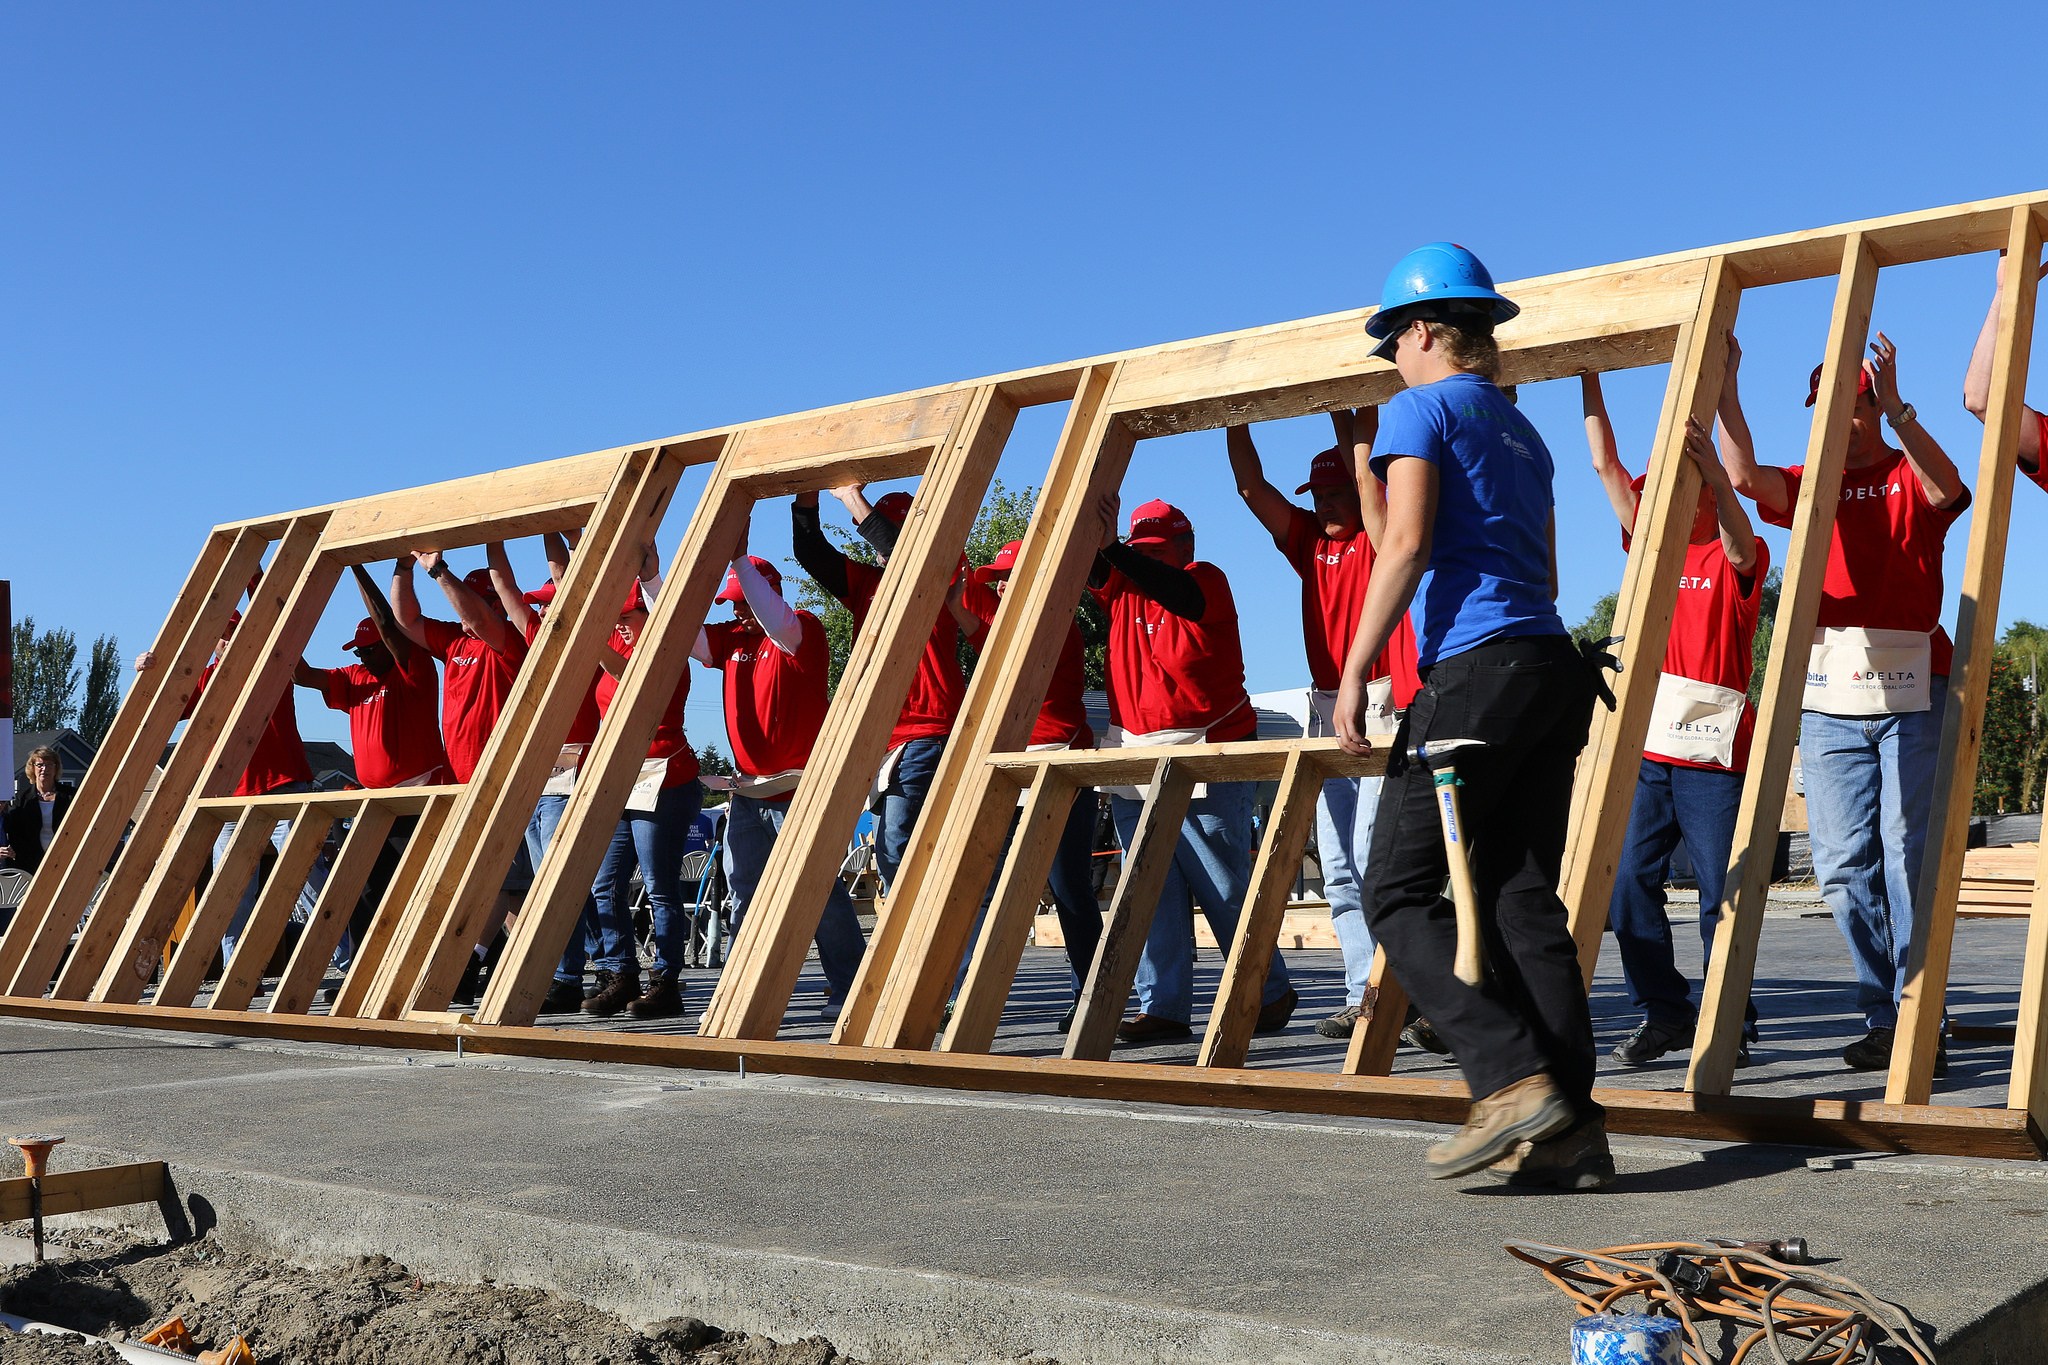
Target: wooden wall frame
x=86, y=951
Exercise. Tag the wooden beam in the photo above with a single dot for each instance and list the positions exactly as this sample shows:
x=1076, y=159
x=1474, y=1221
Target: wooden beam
x=488, y=823
x=768, y=952
x=242, y=976
x=384, y=931
x=1375, y=1041
x=555, y=903
x=369, y=826
x=1236, y=1012
x=177, y=870
x=979, y=1009
x=1649, y=596
x=1947, y=1130
x=223, y=733
x=900, y=990
x=1248, y=760
x=2028, y=1087
x=1925, y=995
x=1733, y=964
x=397, y=800
x=113, y=784
x=216, y=910
x=95, y=1187
x=1154, y=843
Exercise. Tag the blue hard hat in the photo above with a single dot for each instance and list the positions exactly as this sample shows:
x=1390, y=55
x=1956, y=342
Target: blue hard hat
x=1443, y=274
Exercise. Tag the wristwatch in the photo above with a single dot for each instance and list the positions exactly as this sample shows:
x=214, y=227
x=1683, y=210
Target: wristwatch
x=1906, y=413
x=440, y=567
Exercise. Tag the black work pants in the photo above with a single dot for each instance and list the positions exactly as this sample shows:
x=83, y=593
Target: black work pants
x=1530, y=699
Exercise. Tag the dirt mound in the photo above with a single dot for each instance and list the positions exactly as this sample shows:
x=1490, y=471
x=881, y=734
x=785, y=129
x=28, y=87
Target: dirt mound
x=371, y=1311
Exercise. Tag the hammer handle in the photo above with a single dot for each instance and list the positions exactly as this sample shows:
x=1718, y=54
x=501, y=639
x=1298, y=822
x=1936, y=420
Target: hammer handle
x=1467, y=964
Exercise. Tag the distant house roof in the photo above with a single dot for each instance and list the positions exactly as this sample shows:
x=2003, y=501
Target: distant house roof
x=71, y=748
x=1275, y=722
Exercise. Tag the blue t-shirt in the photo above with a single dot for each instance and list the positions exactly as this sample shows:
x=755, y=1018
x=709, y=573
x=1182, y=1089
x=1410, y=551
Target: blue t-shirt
x=1489, y=558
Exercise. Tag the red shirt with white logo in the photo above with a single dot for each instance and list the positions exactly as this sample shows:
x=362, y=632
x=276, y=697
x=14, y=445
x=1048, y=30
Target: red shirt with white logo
x=1884, y=561
x=583, y=729
x=774, y=702
x=669, y=741
x=394, y=722
x=280, y=757
x=1334, y=574
x=1166, y=673
x=1063, y=716
x=475, y=680
x=937, y=690
x=1713, y=632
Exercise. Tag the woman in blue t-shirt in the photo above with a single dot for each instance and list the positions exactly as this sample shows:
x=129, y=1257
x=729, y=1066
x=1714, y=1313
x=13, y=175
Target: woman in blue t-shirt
x=1468, y=498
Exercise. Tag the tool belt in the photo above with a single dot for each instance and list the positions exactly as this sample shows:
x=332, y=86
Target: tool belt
x=1695, y=721
x=1854, y=671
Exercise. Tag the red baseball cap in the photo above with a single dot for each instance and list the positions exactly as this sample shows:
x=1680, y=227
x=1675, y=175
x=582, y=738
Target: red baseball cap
x=1327, y=470
x=1156, y=522
x=894, y=506
x=634, y=600
x=479, y=582
x=540, y=596
x=366, y=635
x=234, y=619
x=732, y=592
x=1005, y=560
x=1813, y=383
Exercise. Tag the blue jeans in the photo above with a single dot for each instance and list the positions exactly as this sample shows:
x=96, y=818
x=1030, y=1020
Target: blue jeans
x=309, y=894
x=1344, y=817
x=902, y=799
x=1212, y=867
x=654, y=841
x=751, y=828
x=1869, y=786
x=584, y=941
x=1073, y=891
x=1672, y=803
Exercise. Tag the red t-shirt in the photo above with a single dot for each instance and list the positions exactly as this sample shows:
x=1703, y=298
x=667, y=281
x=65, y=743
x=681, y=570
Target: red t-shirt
x=583, y=729
x=1063, y=716
x=280, y=757
x=1713, y=631
x=1884, y=561
x=937, y=690
x=774, y=702
x=1169, y=674
x=1334, y=574
x=669, y=741
x=475, y=681
x=394, y=722
x=2039, y=473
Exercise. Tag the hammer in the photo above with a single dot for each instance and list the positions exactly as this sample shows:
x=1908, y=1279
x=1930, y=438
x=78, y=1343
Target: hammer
x=1437, y=756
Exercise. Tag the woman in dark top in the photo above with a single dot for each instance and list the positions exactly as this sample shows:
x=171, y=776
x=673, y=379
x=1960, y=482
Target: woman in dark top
x=38, y=807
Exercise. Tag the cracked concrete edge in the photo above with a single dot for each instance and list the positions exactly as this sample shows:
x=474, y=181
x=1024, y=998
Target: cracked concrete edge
x=889, y=1316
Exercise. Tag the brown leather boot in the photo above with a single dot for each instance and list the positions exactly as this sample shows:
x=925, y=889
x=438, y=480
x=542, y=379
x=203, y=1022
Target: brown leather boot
x=663, y=1000
x=1530, y=1110
x=617, y=993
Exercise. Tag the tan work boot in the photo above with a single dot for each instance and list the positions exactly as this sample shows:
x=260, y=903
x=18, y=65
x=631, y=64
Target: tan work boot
x=1529, y=1110
x=1575, y=1160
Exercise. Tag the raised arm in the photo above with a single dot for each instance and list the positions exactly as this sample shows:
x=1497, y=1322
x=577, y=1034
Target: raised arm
x=779, y=621
x=1396, y=573
x=1762, y=484
x=379, y=612
x=1977, y=379
x=405, y=603
x=1938, y=475
x=305, y=675
x=1738, y=536
x=1355, y=432
x=816, y=555
x=1268, y=503
x=555, y=547
x=495, y=631
x=1172, y=587
x=1607, y=466
x=507, y=587
x=854, y=498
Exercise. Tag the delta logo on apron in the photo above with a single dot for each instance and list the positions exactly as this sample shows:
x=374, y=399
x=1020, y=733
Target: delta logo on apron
x=1854, y=671
x=1694, y=721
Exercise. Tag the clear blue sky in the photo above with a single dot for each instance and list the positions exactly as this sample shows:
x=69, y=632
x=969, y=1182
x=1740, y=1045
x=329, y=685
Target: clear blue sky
x=258, y=257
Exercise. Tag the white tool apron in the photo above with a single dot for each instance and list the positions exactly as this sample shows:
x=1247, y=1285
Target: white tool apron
x=1695, y=721
x=1380, y=714
x=647, y=787
x=562, y=777
x=767, y=786
x=1859, y=672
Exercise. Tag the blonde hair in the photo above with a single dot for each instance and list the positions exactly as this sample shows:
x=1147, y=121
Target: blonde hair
x=40, y=751
x=1473, y=351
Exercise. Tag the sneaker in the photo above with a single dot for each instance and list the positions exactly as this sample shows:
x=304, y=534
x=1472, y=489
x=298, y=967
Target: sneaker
x=1529, y=1110
x=1342, y=1024
x=563, y=997
x=1650, y=1041
x=1274, y=1017
x=614, y=995
x=662, y=1000
x=1150, y=1028
x=1574, y=1160
x=1421, y=1034
x=1871, y=1052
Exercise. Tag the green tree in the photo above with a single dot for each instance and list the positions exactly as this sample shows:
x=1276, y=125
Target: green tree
x=1766, y=626
x=712, y=760
x=102, y=691
x=2007, y=735
x=1599, y=623
x=46, y=677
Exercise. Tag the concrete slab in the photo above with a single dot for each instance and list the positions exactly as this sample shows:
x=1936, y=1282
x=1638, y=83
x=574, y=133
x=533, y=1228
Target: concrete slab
x=909, y=1225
